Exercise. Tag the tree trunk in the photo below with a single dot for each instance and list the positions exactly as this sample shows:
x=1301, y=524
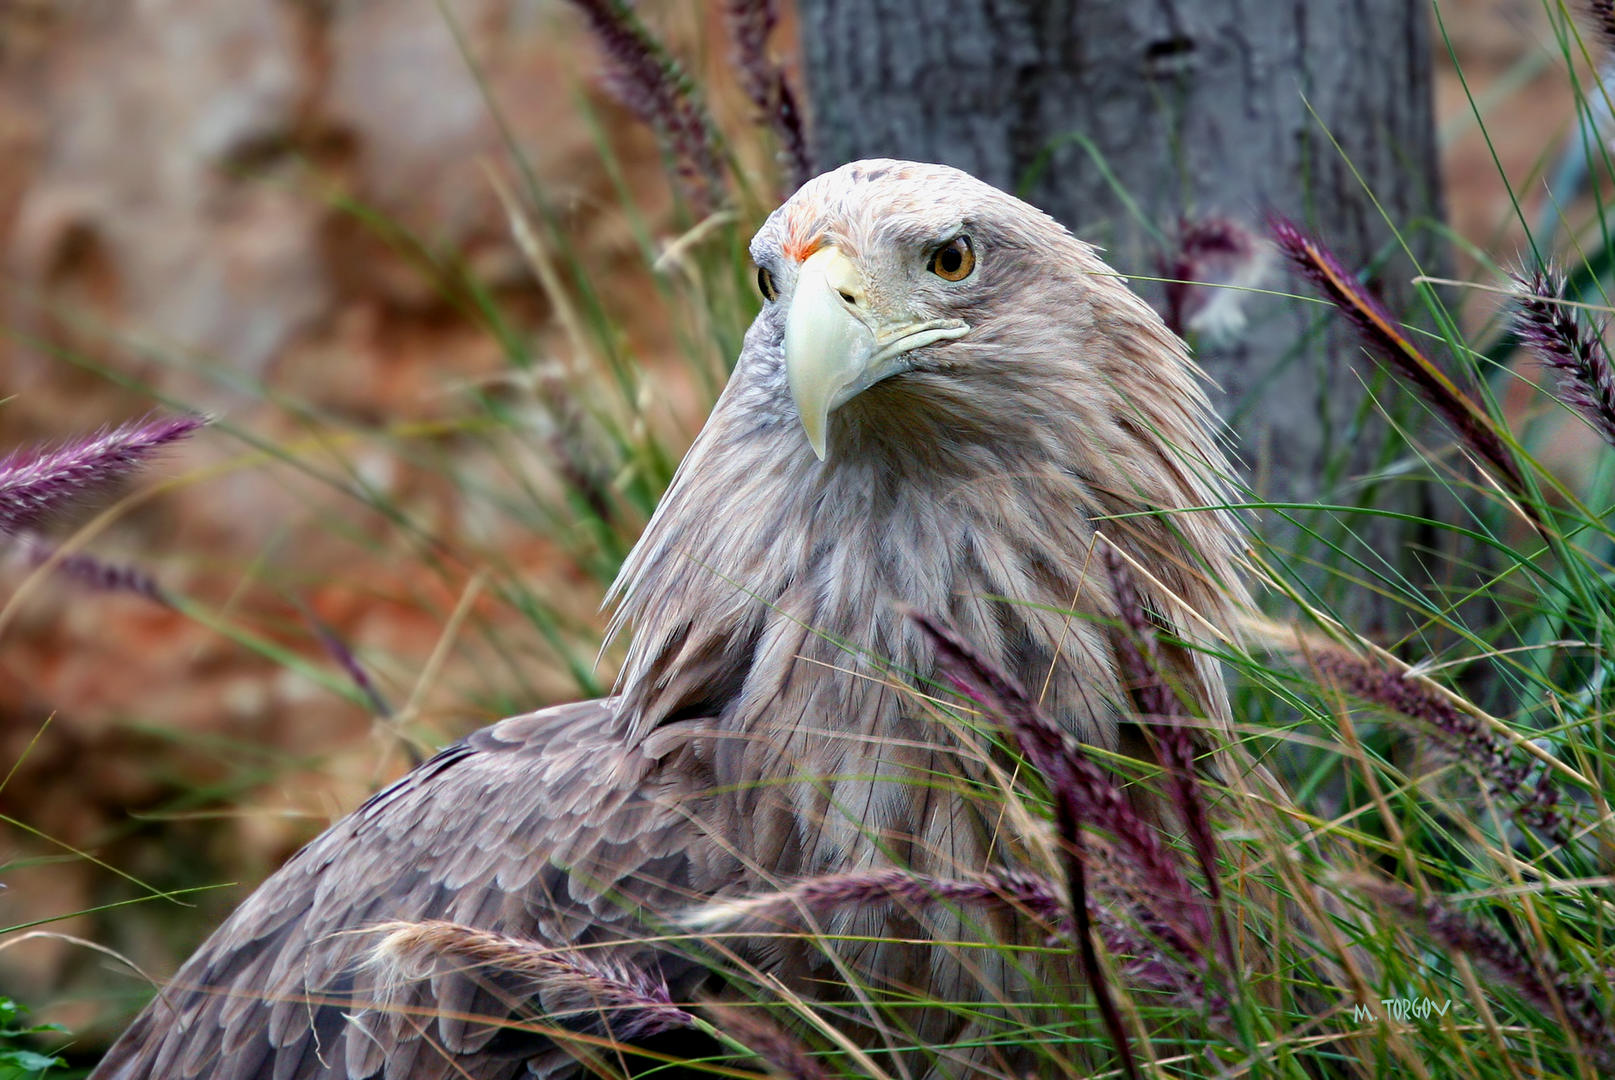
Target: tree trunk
x=1123, y=118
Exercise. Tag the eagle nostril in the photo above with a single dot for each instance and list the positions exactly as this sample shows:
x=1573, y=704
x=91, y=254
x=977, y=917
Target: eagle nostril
x=849, y=298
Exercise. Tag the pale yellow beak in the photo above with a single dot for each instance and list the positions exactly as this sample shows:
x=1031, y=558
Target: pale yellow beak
x=836, y=347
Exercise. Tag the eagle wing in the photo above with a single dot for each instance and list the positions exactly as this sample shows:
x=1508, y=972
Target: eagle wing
x=549, y=827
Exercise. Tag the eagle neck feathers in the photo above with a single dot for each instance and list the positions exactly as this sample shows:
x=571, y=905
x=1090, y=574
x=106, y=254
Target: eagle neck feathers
x=770, y=588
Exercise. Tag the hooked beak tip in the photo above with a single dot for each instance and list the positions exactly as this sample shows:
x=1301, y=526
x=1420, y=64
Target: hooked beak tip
x=816, y=426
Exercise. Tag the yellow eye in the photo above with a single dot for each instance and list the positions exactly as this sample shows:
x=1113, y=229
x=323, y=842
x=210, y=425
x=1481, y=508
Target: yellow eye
x=765, y=284
x=954, y=260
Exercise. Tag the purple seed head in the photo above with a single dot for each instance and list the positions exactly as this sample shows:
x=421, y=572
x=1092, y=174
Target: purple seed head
x=1550, y=329
x=36, y=483
x=1385, y=337
x=654, y=87
x=1463, y=736
x=750, y=22
x=611, y=993
x=1537, y=978
x=91, y=571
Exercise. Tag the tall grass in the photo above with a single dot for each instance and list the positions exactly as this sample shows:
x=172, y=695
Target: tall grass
x=1425, y=891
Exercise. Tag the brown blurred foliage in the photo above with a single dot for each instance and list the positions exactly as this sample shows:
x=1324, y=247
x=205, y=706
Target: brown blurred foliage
x=177, y=216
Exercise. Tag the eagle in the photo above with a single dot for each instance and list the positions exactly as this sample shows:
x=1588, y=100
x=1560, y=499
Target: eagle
x=947, y=404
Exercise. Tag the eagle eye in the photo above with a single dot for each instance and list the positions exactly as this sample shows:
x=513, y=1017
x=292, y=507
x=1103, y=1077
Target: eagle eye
x=954, y=260
x=765, y=284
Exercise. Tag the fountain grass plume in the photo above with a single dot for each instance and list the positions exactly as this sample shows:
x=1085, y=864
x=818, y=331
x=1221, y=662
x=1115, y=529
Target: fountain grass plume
x=1083, y=793
x=1165, y=721
x=1384, y=337
x=780, y=1053
x=1463, y=736
x=37, y=483
x=630, y=1001
x=339, y=651
x=1550, y=329
x=1136, y=946
x=763, y=80
x=1045, y=746
x=1537, y=978
x=1019, y=891
x=651, y=84
x=91, y=571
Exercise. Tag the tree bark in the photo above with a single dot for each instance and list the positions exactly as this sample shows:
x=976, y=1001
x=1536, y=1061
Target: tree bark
x=1124, y=117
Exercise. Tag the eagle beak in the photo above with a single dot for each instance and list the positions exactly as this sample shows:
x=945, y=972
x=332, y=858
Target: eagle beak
x=836, y=346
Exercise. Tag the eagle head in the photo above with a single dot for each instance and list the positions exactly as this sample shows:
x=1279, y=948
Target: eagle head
x=960, y=302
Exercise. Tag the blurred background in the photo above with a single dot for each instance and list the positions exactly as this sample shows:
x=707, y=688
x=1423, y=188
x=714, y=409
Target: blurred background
x=456, y=311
